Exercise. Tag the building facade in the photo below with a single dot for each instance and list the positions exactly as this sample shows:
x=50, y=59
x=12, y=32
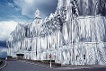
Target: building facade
x=75, y=34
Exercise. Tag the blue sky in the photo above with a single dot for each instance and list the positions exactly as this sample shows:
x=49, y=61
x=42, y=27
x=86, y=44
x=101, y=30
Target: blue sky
x=22, y=11
x=3, y=52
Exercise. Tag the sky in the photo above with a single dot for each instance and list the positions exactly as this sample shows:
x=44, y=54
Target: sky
x=3, y=52
x=13, y=12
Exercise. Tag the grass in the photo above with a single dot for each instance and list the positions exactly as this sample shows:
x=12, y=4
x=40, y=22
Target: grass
x=47, y=62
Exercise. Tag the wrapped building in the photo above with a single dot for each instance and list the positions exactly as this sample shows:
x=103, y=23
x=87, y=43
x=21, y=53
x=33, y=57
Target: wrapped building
x=75, y=34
